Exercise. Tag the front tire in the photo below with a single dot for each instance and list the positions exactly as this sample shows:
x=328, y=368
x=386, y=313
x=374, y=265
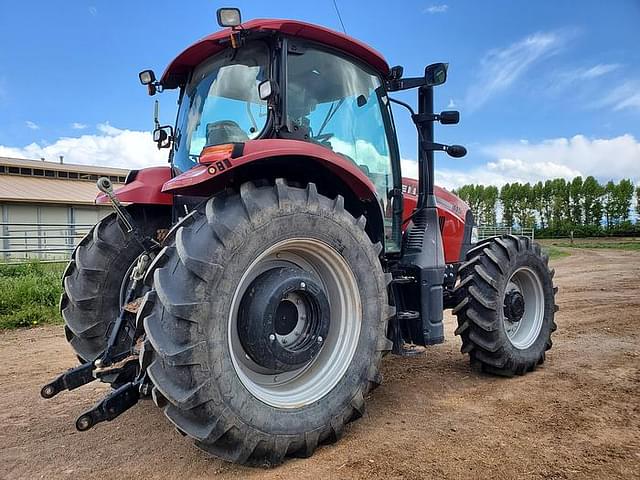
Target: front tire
x=206, y=365
x=506, y=305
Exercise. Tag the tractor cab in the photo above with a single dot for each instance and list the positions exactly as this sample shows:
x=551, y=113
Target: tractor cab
x=281, y=79
x=271, y=85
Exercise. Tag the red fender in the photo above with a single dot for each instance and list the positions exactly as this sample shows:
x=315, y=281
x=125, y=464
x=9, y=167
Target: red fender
x=146, y=188
x=195, y=181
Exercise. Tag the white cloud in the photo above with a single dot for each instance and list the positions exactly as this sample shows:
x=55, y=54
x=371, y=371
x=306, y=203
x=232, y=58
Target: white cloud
x=32, y=125
x=598, y=70
x=452, y=103
x=93, y=11
x=111, y=146
x=500, y=68
x=78, y=126
x=625, y=96
x=578, y=78
x=436, y=9
x=522, y=161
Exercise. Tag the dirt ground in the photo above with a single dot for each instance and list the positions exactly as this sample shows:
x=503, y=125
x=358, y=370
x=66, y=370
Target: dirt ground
x=577, y=417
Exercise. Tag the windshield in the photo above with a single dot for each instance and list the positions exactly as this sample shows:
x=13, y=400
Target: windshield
x=221, y=103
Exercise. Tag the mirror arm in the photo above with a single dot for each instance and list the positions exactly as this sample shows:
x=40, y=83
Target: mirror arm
x=405, y=83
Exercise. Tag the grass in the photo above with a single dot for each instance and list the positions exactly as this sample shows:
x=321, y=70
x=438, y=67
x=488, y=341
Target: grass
x=29, y=294
x=622, y=243
x=555, y=252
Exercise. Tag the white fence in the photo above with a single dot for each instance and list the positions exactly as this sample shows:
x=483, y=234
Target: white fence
x=494, y=231
x=39, y=241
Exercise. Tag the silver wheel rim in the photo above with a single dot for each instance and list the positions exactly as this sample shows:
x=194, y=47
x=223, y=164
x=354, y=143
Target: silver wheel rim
x=317, y=378
x=522, y=334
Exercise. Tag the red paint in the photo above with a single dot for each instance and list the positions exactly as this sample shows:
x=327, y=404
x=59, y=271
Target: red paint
x=194, y=181
x=210, y=45
x=145, y=189
x=450, y=207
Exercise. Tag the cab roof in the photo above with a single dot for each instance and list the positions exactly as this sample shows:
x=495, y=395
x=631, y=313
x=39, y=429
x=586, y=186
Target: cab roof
x=180, y=67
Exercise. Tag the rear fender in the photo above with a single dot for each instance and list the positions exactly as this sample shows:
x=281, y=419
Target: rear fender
x=143, y=187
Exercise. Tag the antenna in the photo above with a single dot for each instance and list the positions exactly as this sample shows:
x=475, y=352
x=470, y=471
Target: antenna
x=156, y=114
x=335, y=5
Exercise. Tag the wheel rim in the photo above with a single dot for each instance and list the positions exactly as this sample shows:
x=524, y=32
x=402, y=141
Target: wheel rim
x=303, y=386
x=523, y=332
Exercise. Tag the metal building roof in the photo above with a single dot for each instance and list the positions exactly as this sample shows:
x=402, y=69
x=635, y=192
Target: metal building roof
x=14, y=188
x=62, y=167
x=32, y=188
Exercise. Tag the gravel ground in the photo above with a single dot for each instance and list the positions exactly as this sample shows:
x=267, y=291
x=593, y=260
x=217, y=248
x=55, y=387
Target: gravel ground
x=577, y=417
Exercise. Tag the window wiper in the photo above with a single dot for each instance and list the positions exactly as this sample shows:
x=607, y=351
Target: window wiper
x=254, y=124
x=330, y=114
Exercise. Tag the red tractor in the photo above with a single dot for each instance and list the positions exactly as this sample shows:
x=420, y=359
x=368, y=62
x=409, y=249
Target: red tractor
x=252, y=287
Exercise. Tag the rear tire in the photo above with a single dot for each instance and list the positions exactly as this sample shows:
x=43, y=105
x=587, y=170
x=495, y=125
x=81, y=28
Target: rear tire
x=496, y=271
x=211, y=392
x=92, y=280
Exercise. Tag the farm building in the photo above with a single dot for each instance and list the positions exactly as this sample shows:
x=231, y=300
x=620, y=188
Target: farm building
x=47, y=207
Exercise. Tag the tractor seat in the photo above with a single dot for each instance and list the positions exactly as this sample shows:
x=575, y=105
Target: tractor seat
x=225, y=131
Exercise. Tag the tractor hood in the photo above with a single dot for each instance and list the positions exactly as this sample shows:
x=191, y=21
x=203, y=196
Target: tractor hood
x=178, y=70
x=445, y=200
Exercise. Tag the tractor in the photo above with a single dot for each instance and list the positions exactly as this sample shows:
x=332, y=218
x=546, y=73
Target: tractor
x=252, y=287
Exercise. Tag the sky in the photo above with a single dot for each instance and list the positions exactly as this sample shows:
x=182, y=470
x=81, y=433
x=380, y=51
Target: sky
x=545, y=88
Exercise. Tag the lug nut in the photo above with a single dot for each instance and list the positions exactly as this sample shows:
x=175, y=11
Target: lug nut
x=272, y=337
x=303, y=285
x=319, y=339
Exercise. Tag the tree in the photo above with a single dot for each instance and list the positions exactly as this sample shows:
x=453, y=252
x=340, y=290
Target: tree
x=472, y=195
x=538, y=203
x=622, y=199
x=547, y=201
x=489, y=203
x=561, y=200
x=608, y=203
x=638, y=205
x=506, y=198
x=592, y=192
x=577, y=200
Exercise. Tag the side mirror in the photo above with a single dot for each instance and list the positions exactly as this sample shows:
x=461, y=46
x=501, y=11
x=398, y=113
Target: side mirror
x=435, y=74
x=163, y=136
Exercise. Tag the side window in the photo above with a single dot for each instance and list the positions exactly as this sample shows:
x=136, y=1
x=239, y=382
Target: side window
x=339, y=104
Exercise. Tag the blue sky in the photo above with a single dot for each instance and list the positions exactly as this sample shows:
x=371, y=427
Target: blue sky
x=545, y=88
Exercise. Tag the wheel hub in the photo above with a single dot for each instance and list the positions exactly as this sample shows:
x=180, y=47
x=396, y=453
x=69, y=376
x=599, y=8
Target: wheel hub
x=283, y=319
x=514, y=305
